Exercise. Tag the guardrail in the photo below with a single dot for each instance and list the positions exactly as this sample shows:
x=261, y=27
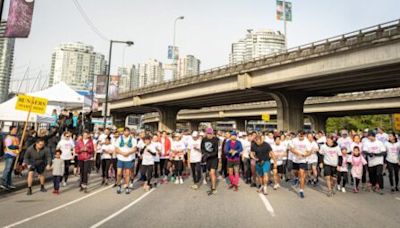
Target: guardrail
x=345, y=41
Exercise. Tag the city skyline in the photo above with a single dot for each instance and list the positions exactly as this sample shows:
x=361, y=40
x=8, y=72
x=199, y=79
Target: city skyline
x=153, y=35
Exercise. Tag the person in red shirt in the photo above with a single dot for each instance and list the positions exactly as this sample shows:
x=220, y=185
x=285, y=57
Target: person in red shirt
x=84, y=148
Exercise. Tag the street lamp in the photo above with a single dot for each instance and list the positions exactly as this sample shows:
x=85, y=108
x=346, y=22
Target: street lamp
x=129, y=43
x=173, y=43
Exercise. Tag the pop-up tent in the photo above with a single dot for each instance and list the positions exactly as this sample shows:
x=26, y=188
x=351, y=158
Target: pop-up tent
x=9, y=113
x=61, y=95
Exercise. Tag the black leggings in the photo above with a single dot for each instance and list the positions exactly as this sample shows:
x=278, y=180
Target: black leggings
x=375, y=175
x=114, y=166
x=357, y=181
x=178, y=168
x=393, y=171
x=67, y=163
x=84, y=169
x=147, y=170
x=196, y=172
x=164, y=167
x=340, y=176
x=364, y=174
x=98, y=161
x=105, y=167
x=156, y=168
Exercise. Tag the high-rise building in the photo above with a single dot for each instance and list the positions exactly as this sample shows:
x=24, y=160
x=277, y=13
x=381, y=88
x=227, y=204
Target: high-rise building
x=256, y=44
x=76, y=64
x=151, y=72
x=6, y=62
x=188, y=66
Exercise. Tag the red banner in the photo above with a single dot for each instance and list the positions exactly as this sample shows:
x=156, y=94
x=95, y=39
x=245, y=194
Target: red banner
x=19, y=18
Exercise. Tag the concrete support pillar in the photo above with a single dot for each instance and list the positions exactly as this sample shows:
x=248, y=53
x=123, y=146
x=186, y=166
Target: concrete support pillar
x=119, y=119
x=167, y=118
x=194, y=125
x=318, y=122
x=240, y=124
x=290, y=110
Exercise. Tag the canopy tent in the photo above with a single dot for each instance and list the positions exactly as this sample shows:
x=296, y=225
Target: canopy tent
x=62, y=95
x=9, y=113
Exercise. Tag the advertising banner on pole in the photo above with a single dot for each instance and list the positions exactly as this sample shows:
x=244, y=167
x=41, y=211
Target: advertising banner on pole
x=101, y=86
x=19, y=18
x=279, y=10
x=396, y=118
x=114, y=86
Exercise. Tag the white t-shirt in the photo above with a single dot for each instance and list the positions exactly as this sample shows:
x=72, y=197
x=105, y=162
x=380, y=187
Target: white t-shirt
x=107, y=151
x=302, y=146
x=195, y=150
x=374, y=147
x=66, y=147
x=383, y=137
x=393, y=150
x=157, y=146
x=313, y=158
x=354, y=144
x=331, y=154
x=246, y=144
x=102, y=138
x=177, y=146
x=269, y=140
x=125, y=148
x=280, y=152
x=147, y=157
x=345, y=142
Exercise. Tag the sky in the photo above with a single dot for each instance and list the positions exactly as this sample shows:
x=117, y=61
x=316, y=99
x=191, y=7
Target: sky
x=207, y=32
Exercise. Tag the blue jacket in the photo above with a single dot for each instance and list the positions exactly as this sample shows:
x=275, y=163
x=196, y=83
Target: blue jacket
x=238, y=147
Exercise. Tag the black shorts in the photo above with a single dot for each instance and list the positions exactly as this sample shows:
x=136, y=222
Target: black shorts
x=298, y=166
x=231, y=164
x=38, y=168
x=330, y=170
x=212, y=164
x=281, y=169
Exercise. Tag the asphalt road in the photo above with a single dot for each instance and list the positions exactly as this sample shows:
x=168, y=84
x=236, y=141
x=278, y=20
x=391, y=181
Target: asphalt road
x=172, y=205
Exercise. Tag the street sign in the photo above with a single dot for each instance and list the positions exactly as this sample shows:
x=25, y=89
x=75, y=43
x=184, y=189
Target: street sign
x=265, y=117
x=397, y=121
x=31, y=104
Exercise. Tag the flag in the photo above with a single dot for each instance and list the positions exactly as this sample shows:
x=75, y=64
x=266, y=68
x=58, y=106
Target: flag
x=19, y=18
x=279, y=10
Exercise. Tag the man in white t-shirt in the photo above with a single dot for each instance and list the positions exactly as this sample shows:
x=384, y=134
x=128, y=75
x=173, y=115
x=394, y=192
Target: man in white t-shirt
x=194, y=157
x=375, y=151
x=126, y=147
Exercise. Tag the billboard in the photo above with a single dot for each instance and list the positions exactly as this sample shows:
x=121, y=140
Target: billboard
x=280, y=8
x=19, y=18
x=113, y=87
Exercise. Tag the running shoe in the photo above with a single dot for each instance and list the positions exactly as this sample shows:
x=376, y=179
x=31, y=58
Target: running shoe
x=177, y=181
x=276, y=186
x=204, y=181
x=127, y=191
x=119, y=189
x=5, y=187
x=12, y=187
x=301, y=194
x=29, y=192
x=212, y=192
x=344, y=190
x=42, y=189
x=181, y=180
x=329, y=194
x=64, y=184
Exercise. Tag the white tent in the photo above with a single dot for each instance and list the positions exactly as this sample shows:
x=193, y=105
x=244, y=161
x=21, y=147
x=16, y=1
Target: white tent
x=9, y=113
x=61, y=95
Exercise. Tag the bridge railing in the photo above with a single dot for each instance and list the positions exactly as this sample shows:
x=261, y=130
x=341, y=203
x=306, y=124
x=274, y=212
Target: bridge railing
x=365, y=35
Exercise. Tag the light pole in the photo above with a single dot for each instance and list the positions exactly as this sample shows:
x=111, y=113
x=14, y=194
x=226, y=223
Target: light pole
x=129, y=43
x=174, y=48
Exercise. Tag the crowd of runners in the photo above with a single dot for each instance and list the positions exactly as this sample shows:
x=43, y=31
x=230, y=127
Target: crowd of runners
x=347, y=160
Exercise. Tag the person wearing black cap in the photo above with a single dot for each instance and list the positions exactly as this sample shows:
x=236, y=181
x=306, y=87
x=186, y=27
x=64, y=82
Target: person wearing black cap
x=375, y=151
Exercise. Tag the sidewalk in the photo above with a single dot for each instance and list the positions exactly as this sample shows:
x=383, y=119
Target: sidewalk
x=20, y=182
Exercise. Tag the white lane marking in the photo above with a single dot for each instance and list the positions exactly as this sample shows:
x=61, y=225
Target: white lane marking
x=56, y=208
x=122, y=209
x=267, y=205
x=398, y=198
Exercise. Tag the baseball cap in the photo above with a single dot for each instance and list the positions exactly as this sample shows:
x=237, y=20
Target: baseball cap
x=233, y=133
x=209, y=131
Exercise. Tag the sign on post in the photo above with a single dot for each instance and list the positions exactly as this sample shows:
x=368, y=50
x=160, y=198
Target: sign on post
x=397, y=121
x=31, y=104
x=283, y=12
x=265, y=117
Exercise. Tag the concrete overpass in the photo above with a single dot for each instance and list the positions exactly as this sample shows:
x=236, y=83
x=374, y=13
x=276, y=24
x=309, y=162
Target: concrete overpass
x=362, y=60
x=317, y=109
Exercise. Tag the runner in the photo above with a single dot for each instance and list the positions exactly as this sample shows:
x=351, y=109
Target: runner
x=157, y=167
x=358, y=163
x=194, y=157
x=67, y=147
x=107, y=151
x=164, y=158
x=312, y=160
x=246, y=144
x=125, y=149
x=300, y=147
x=262, y=153
x=149, y=152
x=57, y=171
x=331, y=153
x=279, y=150
x=177, y=156
x=84, y=148
x=11, y=150
x=342, y=170
x=37, y=158
x=233, y=149
x=375, y=151
x=392, y=160
x=209, y=150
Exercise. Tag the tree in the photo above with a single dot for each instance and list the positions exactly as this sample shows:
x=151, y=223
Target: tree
x=334, y=124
